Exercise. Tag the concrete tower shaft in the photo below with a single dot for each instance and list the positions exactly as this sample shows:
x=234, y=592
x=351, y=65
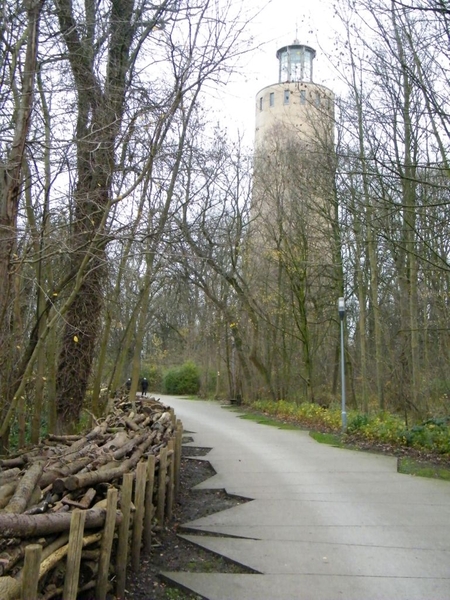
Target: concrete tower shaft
x=291, y=244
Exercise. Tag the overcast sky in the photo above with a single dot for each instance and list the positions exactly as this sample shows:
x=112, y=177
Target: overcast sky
x=276, y=26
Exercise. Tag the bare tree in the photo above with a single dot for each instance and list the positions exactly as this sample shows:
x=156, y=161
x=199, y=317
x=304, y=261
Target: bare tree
x=122, y=79
x=100, y=116
x=19, y=41
x=394, y=147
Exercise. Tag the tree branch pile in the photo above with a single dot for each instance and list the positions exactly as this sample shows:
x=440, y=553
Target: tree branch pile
x=41, y=487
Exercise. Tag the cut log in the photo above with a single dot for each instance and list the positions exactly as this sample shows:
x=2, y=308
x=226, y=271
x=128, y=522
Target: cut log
x=8, y=475
x=9, y=588
x=76, y=482
x=19, y=526
x=25, y=488
x=127, y=448
x=131, y=424
x=54, y=473
x=91, y=554
x=66, y=439
x=8, y=463
x=84, y=502
x=96, y=433
x=120, y=439
x=10, y=557
x=89, y=466
x=50, y=561
x=88, y=571
x=66, y=458
x=6, y=493
x=34, y=499
x=55, y=545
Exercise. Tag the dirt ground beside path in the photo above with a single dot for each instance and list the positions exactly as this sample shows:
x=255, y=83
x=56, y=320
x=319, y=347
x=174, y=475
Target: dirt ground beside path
x=171, y=553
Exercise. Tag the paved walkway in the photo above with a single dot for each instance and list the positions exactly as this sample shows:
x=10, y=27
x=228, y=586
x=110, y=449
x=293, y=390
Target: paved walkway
x=325, y=523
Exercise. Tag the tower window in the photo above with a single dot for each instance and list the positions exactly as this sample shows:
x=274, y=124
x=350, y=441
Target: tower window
x=284, y=67
x=260, y=103
x=286, y=96
x=317, y=99
x=272, y=98
x=302, y=96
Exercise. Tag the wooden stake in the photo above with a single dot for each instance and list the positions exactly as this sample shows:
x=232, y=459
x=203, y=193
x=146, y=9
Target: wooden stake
x=178, y=451
x=161, y=485
x=74, y=554
x=124, y=532
x=101, y=587
x=149, y=509
x=171, y=482
x=30, y=573
x=138, y=520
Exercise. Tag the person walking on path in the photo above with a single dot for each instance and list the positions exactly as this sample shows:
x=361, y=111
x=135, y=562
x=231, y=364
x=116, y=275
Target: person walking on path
x=128, y=384
x=144, y=386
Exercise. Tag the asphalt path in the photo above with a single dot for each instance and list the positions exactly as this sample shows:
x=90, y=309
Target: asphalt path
x=324, y=523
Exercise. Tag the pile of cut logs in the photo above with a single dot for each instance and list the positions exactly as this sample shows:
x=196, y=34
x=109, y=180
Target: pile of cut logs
x=41, y=487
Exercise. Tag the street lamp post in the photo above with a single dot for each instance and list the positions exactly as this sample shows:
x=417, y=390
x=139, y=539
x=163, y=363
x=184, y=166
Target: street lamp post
x=341, y=309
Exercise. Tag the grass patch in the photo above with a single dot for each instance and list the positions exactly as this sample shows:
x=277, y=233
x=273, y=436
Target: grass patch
x=174, y=594
x=262, y=420
x=410, y=466
x=332, y=439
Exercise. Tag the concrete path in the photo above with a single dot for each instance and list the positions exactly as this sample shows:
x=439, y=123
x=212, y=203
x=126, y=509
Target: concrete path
x=324, y=524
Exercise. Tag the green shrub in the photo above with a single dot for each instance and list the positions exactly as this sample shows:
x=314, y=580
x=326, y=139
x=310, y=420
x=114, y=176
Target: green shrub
x=433, y=434
x=209, y=384
x=154, y=376
x=381, y=427
x=356, y=422
x=182, y=380
x=308, y=414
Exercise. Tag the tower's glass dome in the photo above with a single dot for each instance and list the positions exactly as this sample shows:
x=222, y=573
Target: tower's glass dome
x=295, y=63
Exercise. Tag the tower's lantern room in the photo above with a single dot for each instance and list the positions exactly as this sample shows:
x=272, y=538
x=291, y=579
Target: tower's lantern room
x=295, y=102
x=295, y=63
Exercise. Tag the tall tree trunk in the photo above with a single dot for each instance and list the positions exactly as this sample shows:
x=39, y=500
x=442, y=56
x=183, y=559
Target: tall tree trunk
x=370, y=241
x=408, y=180
x=45, y=364
x=362, y=298
x=100, y=114
x=78, y=347
x=10, y=191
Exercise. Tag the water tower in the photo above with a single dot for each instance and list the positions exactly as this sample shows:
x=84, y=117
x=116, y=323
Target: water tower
x=292, y=246
x=295, y=102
